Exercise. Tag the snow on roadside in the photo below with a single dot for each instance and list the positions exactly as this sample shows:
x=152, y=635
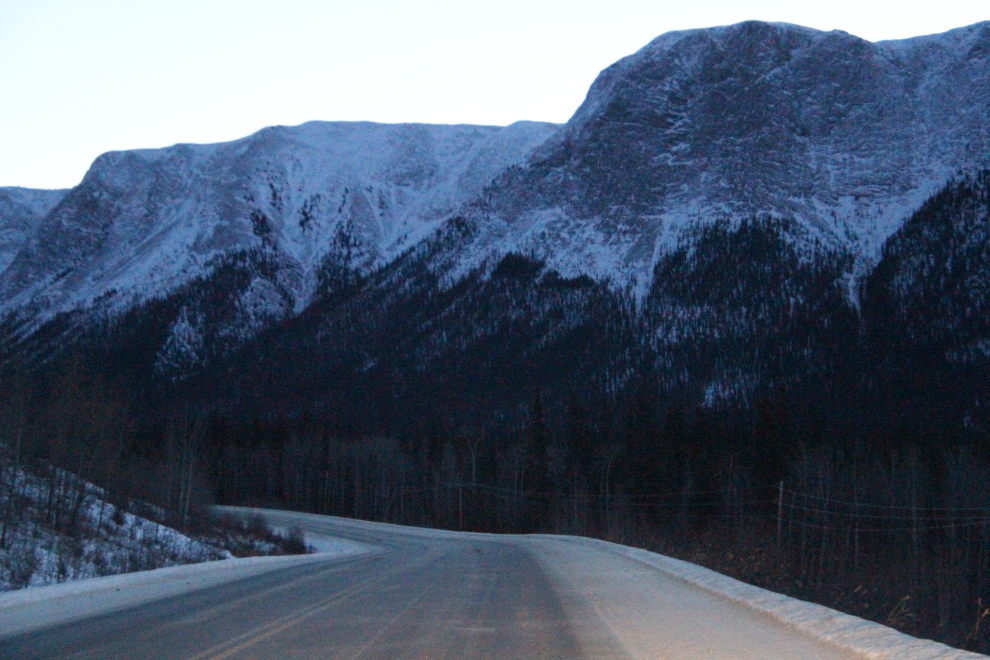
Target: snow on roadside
x=31, y=609
x=844, y=631
x=83, y=535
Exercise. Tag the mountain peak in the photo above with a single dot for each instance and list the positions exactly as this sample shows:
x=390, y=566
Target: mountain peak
x=845, y=136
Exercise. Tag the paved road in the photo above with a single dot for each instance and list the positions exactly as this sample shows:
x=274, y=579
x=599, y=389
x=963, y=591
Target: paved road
x=434, y=597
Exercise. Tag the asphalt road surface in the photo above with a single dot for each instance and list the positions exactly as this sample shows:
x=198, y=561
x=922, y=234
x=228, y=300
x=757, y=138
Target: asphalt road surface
x=426, y=595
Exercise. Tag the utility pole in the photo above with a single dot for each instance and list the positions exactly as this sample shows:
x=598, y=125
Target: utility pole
x=780, y=512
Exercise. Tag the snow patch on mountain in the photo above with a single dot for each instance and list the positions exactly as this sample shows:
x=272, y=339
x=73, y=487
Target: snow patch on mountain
x=184, y=346
x=261, y=302
x=21, y=213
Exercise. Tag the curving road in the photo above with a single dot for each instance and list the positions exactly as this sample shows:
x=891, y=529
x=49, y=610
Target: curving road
x=433, y=595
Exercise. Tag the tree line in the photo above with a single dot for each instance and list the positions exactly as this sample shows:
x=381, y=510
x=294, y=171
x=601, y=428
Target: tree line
x=886, y=526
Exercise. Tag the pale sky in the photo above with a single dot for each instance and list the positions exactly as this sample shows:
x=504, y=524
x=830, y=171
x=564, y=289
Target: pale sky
x=81, y=77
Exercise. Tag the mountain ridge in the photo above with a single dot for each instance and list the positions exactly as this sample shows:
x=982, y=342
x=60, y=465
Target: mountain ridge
x=186, y=204
x=709, y=221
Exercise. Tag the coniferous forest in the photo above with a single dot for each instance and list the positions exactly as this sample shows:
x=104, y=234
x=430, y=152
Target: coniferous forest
x=748, y=414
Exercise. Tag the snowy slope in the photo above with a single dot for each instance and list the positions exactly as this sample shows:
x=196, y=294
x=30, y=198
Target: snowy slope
x=40, y=548
x=21, y=213
x=846, y=136
x=143, y=222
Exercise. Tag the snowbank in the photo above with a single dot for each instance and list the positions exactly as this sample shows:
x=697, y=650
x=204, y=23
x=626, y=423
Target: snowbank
x=31, y=609
x=844, y=631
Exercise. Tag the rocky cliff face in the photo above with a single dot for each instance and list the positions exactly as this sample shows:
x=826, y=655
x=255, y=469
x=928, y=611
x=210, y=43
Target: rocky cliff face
x=21, y=213
x=844, y=136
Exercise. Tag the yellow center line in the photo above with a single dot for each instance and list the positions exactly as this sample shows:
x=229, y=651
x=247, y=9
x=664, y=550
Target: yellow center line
x=268, y=630
x=381, y=631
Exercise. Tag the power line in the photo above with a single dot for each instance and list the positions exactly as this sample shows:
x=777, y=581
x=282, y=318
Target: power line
x=883, y=506
x=868, y=516
x=885, y=530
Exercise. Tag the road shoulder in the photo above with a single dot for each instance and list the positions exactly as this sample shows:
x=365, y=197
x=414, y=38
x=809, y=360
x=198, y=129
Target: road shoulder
x=848, y=635
x=31, y=609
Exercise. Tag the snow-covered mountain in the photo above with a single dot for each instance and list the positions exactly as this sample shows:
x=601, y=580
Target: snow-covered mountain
x=712, y=214
x=144, y=222
x=845, y=136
